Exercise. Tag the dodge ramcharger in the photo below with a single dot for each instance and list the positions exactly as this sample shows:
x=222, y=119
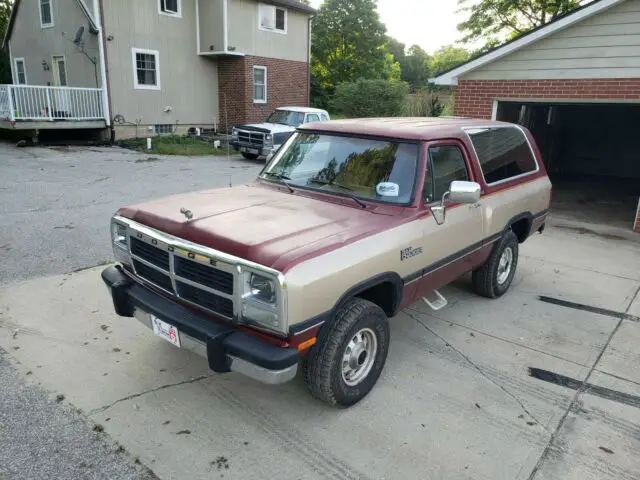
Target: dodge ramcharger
x=301, y=270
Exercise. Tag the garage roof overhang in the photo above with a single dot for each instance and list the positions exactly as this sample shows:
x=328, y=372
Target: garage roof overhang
x=450, y=77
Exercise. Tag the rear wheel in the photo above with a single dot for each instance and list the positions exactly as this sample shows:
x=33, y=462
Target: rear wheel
x=250, y=156
x=347, y=364
x=494, y=278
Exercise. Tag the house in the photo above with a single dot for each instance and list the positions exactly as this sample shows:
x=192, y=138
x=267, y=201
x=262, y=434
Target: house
x=575, y=83
x=154, y=66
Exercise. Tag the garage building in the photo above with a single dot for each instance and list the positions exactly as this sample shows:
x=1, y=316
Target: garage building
x=575, y=83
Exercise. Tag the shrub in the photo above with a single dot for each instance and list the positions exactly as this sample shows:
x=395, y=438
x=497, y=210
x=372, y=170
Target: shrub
x=370, y=98
x=423, y=104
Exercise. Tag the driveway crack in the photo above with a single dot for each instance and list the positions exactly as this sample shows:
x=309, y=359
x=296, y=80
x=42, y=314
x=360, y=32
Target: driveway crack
x=481, y=372
x=151, y=390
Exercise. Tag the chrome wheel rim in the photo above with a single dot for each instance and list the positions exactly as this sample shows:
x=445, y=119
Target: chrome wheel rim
x=359, y=357
x=504, y=265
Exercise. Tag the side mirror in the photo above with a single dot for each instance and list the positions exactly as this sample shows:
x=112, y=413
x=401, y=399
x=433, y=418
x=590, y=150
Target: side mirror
x=464, y=192
x=459, y=192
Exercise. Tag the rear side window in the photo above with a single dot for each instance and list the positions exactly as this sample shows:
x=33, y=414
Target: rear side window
x=503, y=152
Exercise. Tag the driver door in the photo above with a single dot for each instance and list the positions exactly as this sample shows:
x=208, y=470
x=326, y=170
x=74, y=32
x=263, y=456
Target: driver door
x=448, y=245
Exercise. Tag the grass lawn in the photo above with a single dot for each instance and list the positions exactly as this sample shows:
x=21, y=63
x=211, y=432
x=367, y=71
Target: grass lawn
x=174, y=145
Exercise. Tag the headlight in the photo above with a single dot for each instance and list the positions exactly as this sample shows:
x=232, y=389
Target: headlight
x=234, y=132
x=119, y=235
x=261, y=301
x=268, y=138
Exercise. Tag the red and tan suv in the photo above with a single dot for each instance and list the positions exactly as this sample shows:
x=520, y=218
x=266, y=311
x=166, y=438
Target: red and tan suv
x=350, y=222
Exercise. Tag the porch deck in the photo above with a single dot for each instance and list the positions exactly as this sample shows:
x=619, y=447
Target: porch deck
x=36, y=107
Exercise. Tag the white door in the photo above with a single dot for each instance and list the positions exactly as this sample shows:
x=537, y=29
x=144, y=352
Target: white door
x=61, y=96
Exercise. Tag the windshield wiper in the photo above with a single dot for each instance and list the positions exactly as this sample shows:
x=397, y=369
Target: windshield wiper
x=283, y=178
x=360, y=203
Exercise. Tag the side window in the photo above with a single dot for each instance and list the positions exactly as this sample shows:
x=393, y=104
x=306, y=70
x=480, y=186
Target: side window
x=503, y=152
x=313, y=117
x=446, y=164
x=323, y=117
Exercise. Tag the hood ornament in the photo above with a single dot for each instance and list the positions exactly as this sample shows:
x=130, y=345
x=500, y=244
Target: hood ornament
x=186, y=213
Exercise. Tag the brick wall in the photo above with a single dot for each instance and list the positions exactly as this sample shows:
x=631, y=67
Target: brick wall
x=636, y=227
x=287, y=84
x=474, y=98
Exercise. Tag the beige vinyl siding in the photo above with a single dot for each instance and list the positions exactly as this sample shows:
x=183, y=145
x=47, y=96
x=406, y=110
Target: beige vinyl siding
x=36, y=44
x=188, y=82
x=247, y=38
x=606, y=45
x=211, y=13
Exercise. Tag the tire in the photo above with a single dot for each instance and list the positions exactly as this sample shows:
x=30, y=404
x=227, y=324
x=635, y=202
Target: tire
x=323, y=370
x=490, y=279
x=250, y=156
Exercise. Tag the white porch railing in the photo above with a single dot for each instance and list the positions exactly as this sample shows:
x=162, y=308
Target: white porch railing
x=40, y=103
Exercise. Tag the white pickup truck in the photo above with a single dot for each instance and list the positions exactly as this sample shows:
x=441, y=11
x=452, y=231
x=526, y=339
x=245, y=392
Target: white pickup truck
x=261, y=140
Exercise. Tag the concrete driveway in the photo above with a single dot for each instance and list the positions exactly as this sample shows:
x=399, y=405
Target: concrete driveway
x=515, y=388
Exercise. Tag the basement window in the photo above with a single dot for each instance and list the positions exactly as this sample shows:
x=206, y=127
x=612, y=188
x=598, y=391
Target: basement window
x=163, y=128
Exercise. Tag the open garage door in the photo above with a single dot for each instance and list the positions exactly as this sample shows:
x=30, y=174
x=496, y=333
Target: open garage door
x=592, y=153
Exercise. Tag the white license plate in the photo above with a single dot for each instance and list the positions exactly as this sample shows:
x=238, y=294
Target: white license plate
x=165, y=330
x=249, y=150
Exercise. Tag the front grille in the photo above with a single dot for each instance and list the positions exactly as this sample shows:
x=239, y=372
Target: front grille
x=171, y=266
x=208, y=300
x=151, y=254
x=254, y=139
x=152, y=275
x=204, y=275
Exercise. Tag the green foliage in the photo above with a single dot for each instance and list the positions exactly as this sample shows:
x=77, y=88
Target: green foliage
x=422, y=104
x=348, y=44
x=370, y=98
x=174, y=145
x=446, y=58
x=497, y=20
x=415, y=68
x=5, y=62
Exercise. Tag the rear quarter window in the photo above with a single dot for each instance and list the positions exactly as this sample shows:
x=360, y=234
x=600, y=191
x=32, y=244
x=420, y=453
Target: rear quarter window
x=503, y=152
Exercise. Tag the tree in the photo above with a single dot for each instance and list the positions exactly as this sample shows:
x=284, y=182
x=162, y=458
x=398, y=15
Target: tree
x=496, y=20
x=5, y=62
x=349, y=43
x=397, y=49
x=415, y=70
x=447, y=57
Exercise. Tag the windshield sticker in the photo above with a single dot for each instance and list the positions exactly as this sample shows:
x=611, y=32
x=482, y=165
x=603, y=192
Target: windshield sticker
x=388, y=189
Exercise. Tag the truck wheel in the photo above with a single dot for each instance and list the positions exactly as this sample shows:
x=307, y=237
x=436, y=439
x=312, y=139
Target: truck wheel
x=493, y=278
x=250, y=156
x=347, y=364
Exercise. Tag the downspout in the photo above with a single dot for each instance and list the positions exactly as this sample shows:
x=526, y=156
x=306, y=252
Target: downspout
x=309, y=61
x=97, y=11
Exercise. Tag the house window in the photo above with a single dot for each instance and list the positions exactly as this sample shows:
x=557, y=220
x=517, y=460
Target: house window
x=160, y=128
x=504, y=153
x=146, y=69
x=21, y=72
x=170, y=7
x=273, y=19
x=259, y=84
x=46, y=13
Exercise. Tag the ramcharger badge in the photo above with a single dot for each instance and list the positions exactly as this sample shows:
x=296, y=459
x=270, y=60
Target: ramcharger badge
x=410, y=252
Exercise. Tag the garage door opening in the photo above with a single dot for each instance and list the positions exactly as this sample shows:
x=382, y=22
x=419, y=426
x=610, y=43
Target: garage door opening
x=592, y=154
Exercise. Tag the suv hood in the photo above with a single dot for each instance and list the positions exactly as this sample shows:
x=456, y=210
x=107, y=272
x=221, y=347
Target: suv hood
x=260, y=224
x=272, y=127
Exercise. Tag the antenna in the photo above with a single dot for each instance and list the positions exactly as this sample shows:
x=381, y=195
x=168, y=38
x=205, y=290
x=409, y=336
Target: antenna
x=79, y=34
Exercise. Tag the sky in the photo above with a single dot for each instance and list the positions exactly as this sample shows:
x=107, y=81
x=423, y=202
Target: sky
x=428, y=23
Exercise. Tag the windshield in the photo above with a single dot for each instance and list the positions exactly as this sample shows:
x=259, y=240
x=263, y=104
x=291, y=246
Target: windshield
x=364, y=168
x=286, y=117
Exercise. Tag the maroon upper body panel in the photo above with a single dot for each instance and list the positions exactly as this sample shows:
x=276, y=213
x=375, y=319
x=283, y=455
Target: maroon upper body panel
x=265, y=224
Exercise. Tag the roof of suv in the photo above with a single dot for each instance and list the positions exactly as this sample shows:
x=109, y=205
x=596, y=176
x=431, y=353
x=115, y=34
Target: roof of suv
x=302, y=109
x=419, y=128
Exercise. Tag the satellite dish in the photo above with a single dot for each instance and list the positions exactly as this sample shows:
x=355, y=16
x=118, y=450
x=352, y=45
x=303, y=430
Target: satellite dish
x=79, y=34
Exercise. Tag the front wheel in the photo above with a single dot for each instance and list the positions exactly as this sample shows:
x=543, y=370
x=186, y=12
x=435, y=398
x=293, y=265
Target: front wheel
x=493, y=278
x=250, y=156
x=347, y=364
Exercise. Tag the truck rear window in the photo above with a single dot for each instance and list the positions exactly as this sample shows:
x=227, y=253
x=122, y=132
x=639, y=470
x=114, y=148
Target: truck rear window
x=503, y=152
x=370, y=169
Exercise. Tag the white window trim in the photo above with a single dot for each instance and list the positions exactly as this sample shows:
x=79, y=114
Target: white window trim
x=253, y=81
x=169, y=14
x=24, y=67
x=273, y=30
x=46, y=25
x=136, y=85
